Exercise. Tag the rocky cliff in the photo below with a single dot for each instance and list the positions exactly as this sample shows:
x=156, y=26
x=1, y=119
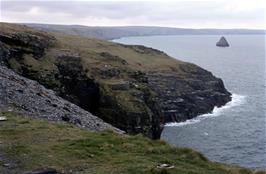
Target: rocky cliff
x=134, y=88
x=35, y=100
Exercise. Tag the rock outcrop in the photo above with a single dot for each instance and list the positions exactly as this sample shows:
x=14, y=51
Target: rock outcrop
x=34, y=99
x=134, y=88
x=222, y=42
x=185, y=98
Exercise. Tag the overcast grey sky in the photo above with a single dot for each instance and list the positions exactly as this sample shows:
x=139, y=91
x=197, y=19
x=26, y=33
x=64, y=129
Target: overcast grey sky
x=186, y=14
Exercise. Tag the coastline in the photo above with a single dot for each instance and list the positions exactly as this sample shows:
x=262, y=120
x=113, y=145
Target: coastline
x=237, y=100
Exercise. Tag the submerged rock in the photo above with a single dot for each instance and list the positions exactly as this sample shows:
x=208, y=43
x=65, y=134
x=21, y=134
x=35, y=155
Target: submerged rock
x=222, y=42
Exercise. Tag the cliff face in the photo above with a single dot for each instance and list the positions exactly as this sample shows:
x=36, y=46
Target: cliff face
x=134, y=88
x=34, y=99
x=185, y=98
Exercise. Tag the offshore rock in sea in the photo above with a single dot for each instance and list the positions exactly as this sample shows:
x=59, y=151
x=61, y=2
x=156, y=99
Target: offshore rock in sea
x=222, y=42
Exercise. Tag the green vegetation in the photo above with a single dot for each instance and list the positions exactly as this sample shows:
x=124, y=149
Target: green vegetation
x=33, y=143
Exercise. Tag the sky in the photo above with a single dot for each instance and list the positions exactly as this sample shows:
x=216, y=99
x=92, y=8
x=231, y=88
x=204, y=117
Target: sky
x=183, y=14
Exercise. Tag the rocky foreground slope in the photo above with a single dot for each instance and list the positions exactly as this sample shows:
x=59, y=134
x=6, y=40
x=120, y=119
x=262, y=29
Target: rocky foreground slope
x=134, y=88
x=30, y=97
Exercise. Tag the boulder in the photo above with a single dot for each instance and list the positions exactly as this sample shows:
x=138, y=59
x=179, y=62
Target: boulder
x=3, y=118
x=222, y=42
x=165, y=166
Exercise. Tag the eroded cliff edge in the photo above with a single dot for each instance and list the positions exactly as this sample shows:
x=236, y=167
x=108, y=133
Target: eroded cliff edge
x=134, y=88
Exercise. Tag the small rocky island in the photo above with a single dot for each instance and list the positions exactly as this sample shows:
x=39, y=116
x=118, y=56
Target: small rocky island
x=222, y=42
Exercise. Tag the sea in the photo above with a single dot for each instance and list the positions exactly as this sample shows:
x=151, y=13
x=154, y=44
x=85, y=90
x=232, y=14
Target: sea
x=236, y=132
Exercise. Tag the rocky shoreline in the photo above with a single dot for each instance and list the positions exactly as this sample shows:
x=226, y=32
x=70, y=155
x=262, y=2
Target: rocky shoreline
x=134, y=88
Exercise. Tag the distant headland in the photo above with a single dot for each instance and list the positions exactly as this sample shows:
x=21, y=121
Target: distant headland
x=109, y=33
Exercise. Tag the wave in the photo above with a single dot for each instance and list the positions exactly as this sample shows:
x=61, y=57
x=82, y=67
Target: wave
x=236, y=101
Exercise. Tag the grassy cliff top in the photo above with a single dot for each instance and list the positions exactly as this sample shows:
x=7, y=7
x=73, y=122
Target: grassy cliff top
x=28, y=144
x=95, y=51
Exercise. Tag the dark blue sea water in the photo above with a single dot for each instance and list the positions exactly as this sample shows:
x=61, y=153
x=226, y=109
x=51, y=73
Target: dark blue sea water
x=235, y=133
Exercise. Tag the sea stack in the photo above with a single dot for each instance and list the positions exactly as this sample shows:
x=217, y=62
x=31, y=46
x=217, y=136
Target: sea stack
x=222, y=42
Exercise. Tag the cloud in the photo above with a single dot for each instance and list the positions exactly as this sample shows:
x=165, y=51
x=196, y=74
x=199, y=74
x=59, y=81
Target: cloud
x=186, y=14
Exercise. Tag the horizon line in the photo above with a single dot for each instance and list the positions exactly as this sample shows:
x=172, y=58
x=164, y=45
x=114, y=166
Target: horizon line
x=106, y=26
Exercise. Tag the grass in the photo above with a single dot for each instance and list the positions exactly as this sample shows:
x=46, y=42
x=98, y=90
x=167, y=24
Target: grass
x=90, y=50
x=33, y=143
